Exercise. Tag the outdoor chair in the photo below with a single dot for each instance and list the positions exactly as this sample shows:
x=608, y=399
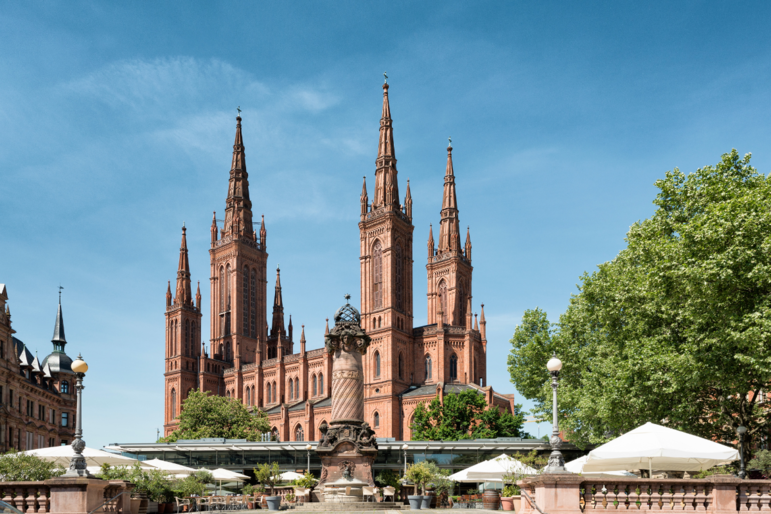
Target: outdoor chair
x=389, y=491
x=237, y=502
x=218, y=503
x=182, y=502
x=202, y=502
x=300, y=493
x=368, y=493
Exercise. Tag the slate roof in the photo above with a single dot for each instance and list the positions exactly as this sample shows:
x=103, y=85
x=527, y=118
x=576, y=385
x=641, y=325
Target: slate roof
x=325, y=402
x=430, y=390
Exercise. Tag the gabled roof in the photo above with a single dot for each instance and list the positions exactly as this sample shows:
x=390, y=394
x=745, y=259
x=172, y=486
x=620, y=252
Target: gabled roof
x=430, y=390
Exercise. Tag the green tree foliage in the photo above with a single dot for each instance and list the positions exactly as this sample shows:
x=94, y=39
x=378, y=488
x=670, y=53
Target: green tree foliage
x=158, y=485
x=388, y=478
x=464, y=416
x=420, y=474
x=268, y=475
x=677, y=328
x=762, y=462
x=19, y=467
x=204, y=415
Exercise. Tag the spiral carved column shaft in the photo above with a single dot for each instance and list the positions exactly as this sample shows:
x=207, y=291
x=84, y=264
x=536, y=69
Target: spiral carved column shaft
x=347, y=387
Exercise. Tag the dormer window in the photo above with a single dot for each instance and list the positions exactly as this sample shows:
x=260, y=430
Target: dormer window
x=64, y=387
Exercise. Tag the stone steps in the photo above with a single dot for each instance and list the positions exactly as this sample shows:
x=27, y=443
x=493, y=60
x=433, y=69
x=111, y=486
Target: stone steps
x=349, y=507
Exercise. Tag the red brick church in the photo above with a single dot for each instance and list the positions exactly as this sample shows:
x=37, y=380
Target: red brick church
x=256, y=362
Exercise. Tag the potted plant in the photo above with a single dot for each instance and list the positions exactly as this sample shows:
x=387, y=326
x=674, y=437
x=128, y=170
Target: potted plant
x=419, y=474
x=247, y=491
x=268, y=475
x=510, y=498
x=290, y=497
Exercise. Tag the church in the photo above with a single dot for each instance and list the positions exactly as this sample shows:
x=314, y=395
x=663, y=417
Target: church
x=255, y=362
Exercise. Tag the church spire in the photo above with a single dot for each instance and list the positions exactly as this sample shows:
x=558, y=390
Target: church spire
x=198, y=296
x=263, y=233
x=278, y=309
x=183, y=295
x=449, y=232
x=59, y=340
x=364, y=198
x=468, y=244
x=408, y=201
x=238, y=206
x=168, y=294
x=386, y=184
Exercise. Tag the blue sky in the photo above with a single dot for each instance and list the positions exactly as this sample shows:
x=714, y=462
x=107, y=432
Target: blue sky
x=117, y=122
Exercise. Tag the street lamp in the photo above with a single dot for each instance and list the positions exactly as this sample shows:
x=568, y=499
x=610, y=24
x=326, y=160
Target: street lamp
x=308, y=449
x=404, y=447
x=78, y=462
x=556, y=460
x=740, y=431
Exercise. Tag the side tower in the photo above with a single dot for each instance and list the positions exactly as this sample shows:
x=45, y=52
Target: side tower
x=238, y=275
x=183, y=331
x=386, y=282
x=449, y=273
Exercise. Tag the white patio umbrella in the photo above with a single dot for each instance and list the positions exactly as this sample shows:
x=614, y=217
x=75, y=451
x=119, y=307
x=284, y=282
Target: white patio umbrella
x=94, y=458
x=492, y=470
x=225, y=475
x=653, y=446
x=577, y=466
x=288, y=476
x=170, y=468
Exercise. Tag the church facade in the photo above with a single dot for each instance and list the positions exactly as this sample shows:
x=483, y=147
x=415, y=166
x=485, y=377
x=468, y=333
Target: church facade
x=256, y=363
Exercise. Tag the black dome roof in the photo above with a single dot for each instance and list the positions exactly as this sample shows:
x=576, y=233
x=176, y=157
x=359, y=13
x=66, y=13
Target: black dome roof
x=58, y=362
x=347, y=313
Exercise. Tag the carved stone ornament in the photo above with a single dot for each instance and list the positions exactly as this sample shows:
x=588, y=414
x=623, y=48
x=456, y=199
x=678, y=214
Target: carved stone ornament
x=362, y=437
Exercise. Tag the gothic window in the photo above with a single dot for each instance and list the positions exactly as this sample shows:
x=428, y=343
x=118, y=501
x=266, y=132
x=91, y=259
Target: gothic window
x=274, y=392
x=428, y=367
x=193, y=338
x=377, y=364
x=399, y=271
x=227, y=287
x=253, y=290
x=246, y=301
x=376, y=423
x=463, y=303
x=442, y=293
x=187, y=337
x=222, y=289
x=267, y=396
x=64, y=387
x=377, y=275
x=248, y=396
x=321, y=383
x=173, y=404
x=297, y=388
x=227, y=351
x=299, y=434
x=401, y=366
x=314, y=385
x=274, y=434
x=291, y=388
x=453, y=367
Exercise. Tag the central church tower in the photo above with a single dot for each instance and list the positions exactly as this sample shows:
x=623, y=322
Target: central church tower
x=385, y=229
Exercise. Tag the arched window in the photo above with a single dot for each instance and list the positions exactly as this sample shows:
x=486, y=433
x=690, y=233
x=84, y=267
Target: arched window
x=227, y=351
x=321, y=383
x=227, y=287
x=428, y=367
x=399, y=271
x=377, y=275
x=64, y=387
x=245, y=307
x=274, y=392
x=463, y=304
x=453, y=367
x=377, y=364
x=291, y=388
x=442, y=293
x=297, y=388
x=248, y=396
x=222, y=289
x=267, y=396
x=227, y=393
x=187, y=337
x=299, y=435
x=274, y=434
x=314, y=385
x=193, y=338
x=376, y=423
x=379, y=322
x=401, y=366
x=253, y=300
x=173, y=404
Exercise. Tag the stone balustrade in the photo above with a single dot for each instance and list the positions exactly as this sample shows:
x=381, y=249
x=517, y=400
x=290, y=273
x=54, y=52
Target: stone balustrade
x=68, y=496
x=575, y=494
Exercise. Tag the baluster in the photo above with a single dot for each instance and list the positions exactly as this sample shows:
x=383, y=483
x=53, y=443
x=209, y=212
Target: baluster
x=603, y=491
x=765, y=497
x=743, y=497
x=626, y=496
x=692, y=491
x=645, y=496
x=31, y=500
x=8, y=495
x=614, y=496
x=669, y=497
x=588, y=496
x=701, y=496
x=634, y=497
x=42, y=500
x=657, y=496
x=18, y=499
x=753, y=494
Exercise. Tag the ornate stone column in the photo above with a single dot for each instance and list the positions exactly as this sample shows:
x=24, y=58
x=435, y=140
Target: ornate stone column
x=347, y=447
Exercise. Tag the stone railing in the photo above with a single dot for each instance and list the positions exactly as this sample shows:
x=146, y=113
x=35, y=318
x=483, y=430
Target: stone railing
x=574, y=494
x=68, y=495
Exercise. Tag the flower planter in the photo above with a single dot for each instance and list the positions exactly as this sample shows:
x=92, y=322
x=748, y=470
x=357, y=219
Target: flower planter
x=135, y=503
x=427, y=501
x=507, y=503
x=274, y=502
x=416, y=501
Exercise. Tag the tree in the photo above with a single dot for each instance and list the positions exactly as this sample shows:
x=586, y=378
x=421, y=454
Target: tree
x=464, y=416
x=268, y=475
x=20, y=467
x=204, y=415
x=677, y=328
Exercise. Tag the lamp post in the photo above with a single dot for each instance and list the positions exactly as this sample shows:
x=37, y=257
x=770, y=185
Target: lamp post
x=740, y=431
x=308, y=449
x=556, y=460
x=404, y=447
x=78, y=462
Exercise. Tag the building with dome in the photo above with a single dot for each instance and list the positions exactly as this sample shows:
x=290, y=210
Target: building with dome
x=253, y=358
x=38, y=397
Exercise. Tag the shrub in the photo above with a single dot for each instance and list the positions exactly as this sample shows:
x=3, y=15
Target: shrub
x=268, y=475
x=20, y=467
x=307, y=481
